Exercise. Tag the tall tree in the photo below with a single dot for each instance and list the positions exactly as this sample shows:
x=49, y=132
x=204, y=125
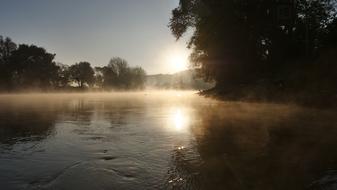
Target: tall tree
x=33, y=67
x=7, y=46
x=115, y=74
x=99, y=77
x=82, y=73
x=233, y=40
x=119, y=75
x=137, y=78
x=63, y=75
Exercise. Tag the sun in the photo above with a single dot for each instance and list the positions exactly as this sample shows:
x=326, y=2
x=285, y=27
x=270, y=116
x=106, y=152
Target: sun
x=178, y=62
x=174, y=58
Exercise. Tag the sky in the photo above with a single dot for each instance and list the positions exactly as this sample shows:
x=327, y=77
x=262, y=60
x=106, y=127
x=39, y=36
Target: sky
x=97, y=30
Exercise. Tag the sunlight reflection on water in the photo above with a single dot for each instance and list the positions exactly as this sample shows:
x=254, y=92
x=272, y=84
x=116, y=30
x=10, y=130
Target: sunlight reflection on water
x=160, y=140
x=180, y=120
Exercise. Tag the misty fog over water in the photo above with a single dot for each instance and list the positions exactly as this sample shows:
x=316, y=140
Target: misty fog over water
x=162, y=140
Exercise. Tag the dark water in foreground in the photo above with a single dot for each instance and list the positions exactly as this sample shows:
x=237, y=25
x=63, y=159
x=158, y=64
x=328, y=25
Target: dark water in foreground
x=163, y=140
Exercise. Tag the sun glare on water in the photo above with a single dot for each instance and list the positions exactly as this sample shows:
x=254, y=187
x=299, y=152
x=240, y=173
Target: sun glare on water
x=179, y=120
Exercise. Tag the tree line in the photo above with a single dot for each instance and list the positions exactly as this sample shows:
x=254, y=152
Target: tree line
x=31, y=67
x=263, y=47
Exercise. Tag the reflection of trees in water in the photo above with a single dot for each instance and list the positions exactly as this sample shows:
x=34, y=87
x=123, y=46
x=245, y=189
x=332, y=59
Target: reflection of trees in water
x=261, y=148
x=80, y=110
x=117, y=117
x=32, y=119
x=103, y=119
x=121, y=112
x=25, y=125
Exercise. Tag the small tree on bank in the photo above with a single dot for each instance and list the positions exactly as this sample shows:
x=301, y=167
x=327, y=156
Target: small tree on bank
x=82, y=73
x=119, y=75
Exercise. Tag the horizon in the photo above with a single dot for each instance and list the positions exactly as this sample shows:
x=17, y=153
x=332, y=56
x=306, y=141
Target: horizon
x=98, y=31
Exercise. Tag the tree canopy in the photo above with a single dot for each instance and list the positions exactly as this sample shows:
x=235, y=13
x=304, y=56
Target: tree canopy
x=7, y=46
x=82, y=73
x=119, y=75
x=31, y=67
x=239, y=41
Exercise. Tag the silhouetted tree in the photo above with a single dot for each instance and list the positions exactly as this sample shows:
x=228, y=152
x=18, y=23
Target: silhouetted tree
x=119, y=75
x=82, y=73
x=137, y=78
x=99, y=77
x=119, y=67
x=63, y=75
x=33, y=67
x=7, y=46
x=330, y=35
x=237, y=42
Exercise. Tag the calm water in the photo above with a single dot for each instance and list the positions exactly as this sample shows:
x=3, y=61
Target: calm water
x=163, y=140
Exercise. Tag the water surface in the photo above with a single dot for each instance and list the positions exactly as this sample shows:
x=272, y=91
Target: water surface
x=163, y=140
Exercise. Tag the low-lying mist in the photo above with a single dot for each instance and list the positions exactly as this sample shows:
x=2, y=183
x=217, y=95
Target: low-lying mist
x=186, y=139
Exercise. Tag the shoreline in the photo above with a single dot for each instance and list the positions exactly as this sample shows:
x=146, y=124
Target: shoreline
x=302, y=99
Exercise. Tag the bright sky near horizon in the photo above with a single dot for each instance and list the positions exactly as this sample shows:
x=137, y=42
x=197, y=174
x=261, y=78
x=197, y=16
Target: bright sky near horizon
x=95, y=31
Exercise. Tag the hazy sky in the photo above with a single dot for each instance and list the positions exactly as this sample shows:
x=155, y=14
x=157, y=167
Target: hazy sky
x=96, y=30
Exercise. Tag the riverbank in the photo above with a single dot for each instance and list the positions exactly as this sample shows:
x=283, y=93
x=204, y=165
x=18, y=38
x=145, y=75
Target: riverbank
x=323, y=99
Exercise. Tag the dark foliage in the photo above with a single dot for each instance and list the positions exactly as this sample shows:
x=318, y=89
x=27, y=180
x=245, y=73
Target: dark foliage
x=255, y=43
x=7, y=46
x=28, y=67
x=118, y=75
x=82, y=73
x=32, y=67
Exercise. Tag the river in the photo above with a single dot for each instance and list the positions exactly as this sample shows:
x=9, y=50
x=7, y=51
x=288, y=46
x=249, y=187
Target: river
x=163, y=140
